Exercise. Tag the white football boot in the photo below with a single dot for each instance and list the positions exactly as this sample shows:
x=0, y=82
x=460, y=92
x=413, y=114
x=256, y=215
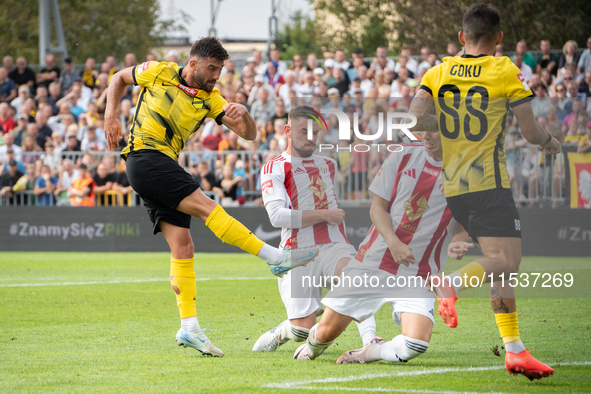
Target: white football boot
x=271, y=340
x=294, y=258
x=199, y=341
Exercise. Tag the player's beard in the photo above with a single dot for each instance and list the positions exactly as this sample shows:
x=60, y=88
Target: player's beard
x=305, y=151
x=201, y=82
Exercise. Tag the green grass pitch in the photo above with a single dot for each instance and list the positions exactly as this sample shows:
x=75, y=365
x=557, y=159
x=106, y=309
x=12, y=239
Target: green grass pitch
x=105, y=322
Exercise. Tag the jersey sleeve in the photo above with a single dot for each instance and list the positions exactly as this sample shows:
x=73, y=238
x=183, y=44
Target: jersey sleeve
x=383, y=184
x=272, y=183
x=146, y=73
x=217, y=106
x=516, y=89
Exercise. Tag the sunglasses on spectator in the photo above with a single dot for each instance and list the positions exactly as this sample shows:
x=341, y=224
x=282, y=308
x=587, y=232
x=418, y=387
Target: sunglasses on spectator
x=568, y=78
x=559, y=90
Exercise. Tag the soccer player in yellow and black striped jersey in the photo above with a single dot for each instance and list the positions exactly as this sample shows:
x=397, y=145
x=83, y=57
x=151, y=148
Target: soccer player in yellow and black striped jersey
x=173, y=103
x=471, y=96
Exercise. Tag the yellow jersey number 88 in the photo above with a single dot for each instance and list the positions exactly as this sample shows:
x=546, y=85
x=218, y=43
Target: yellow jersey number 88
x=469, y=112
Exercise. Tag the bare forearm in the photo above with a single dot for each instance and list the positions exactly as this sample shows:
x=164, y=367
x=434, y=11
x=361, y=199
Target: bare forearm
x=249, y=131
x=381, y=220
x=114, y=93
x=536, y=136
x=101, y=189
x=310, y=218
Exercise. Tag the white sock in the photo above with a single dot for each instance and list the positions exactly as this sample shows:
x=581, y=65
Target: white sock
x=295, y=333
x=402, y=349
x=514, y=347
x=190, y=324
x=313, y=344
x=367, y=330
x=270, y=255
x=451, y=281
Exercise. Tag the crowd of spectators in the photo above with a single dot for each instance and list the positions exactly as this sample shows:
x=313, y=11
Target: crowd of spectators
x=52, y=141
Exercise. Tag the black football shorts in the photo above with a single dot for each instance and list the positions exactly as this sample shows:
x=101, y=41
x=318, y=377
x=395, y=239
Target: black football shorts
x=162, y=183
x=488, y=213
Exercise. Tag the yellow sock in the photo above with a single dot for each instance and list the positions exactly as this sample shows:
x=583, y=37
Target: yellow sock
x=508, y=326
x=470, y=270
x=182, y=280
x=232, y=232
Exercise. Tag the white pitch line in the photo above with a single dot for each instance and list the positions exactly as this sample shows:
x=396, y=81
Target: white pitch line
x=305, y=384
x=388, y=390
x=121, y=281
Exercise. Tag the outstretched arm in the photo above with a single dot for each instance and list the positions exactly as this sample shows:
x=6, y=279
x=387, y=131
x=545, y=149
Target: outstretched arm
x=282, y=217
x=114, y=94
x=532, y=130
x=421, y=106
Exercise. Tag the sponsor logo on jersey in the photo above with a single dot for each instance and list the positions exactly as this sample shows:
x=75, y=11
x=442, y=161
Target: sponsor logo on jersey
x=415, y=208
x=430, y=171
x=318, y=187
x=411, y=173
x=143, y=67
x=268, y=188
x=309, y=165
x=188, y=90
x=522, y=80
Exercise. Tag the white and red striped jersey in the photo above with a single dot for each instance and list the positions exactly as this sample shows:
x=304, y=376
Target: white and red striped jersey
x=411, y=181
x=304, y=184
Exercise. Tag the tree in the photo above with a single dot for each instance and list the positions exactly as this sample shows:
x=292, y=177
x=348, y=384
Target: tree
x=437, y=22
x=299, y=36
x=92, y=28
x=394, y=23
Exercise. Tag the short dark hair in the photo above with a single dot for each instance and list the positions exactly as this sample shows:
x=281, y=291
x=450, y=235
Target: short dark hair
x=539, y=85
x=303, y=111
x=209, y=47
x=481, y=23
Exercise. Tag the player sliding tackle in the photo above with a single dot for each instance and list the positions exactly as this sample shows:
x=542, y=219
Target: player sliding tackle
x=474, y=93
x=299, y=196
x=412, y=233
x=173, y=103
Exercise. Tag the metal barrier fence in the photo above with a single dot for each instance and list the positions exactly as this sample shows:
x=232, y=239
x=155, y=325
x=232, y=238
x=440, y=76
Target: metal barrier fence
x=536, y=178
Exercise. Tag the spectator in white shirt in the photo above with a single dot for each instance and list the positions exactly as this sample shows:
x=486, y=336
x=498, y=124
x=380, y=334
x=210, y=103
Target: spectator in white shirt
x=262, y=109
x=526, y=71
x=382, y=54
x=430, y=60
x=259, y=83
x=289, y=77
x=412, y=65
x=92, y=141
x=310, y=87
x=23, y=93
x=341, y=60
x=9, y=144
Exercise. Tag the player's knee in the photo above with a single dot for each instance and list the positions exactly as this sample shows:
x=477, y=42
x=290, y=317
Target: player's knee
x=183, y=249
